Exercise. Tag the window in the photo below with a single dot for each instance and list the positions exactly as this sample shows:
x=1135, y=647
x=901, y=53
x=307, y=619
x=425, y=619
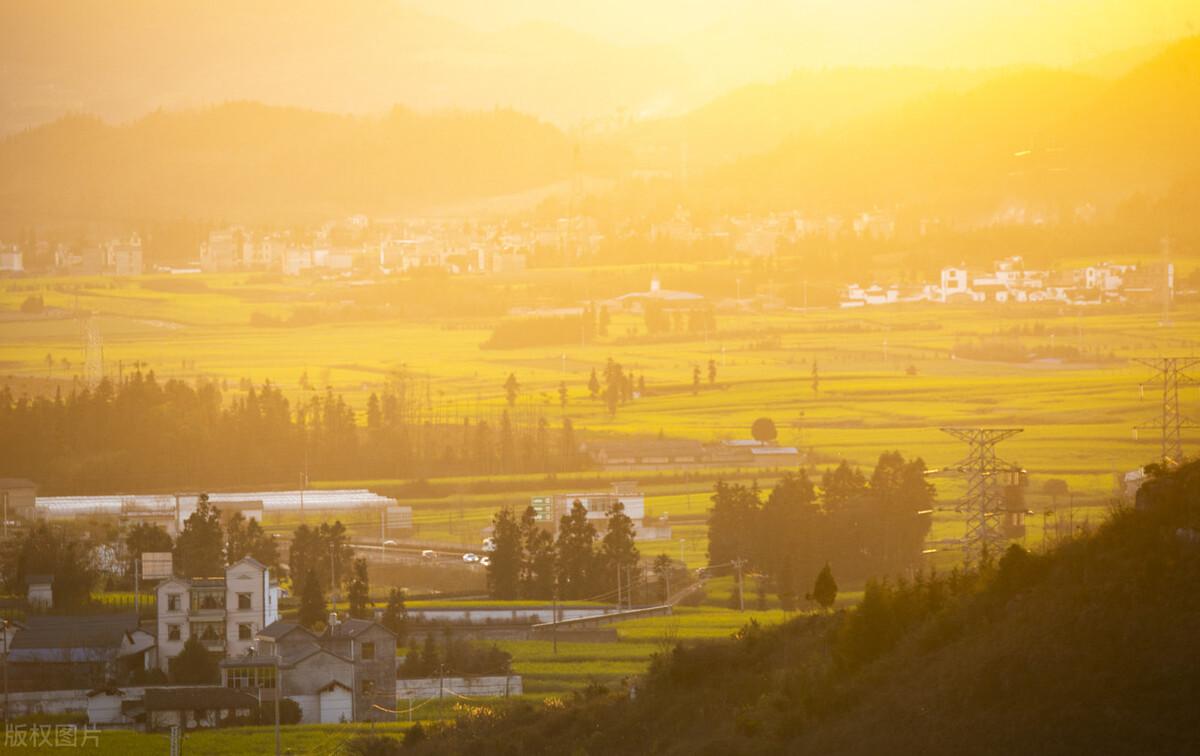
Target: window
x=173, y=602
x=244, y=601
x=250, y=677
x=368, y=686
x=245, y=632
x=368, y=651
x=173, y=631
x=208, y=598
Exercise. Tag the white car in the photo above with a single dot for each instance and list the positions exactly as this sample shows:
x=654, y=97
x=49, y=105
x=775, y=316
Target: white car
x=389, y=542
x=489, y=544
x=470, y=558
x=429, y=554
x=485, y=561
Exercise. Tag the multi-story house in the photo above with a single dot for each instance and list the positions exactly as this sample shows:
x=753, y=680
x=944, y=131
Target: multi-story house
x=346, y=673
x=125, y=256
x=224, y=613
x=222, y=251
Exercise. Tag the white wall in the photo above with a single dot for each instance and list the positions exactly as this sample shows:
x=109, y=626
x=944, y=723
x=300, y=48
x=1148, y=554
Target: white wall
x=429, y=687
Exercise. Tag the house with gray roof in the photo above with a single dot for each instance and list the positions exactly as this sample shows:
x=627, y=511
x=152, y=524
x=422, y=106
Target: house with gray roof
x=341, y=674
x=75, y=651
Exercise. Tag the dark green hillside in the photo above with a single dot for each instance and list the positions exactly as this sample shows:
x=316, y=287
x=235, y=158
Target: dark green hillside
x=1091, y=649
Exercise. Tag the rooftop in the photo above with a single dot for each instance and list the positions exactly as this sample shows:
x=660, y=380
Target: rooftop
x=74, y=638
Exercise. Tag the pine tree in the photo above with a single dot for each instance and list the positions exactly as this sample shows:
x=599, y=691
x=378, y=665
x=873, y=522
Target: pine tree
x=200, y=548
x=594, y=385
x=574, y=553
x=504, y=571
x=358, y=593
x=825, y=588
x=617, y=549
x=395, y=615
x=511, y=389
x=313, y=610
x=537, y=568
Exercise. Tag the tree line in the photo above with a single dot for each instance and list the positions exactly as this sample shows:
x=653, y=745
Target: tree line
x=528, y=562
x=860, y=526
x=139, y=433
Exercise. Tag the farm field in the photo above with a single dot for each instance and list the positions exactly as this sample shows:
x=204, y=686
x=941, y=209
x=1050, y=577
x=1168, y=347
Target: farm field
x=888, y=379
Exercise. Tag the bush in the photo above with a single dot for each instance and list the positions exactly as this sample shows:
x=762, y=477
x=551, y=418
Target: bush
x=376, y=745
x=33, y=304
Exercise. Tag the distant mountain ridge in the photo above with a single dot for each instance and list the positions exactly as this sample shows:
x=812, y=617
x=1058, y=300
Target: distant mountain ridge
x=932, y=143
x=1040, y=135
x=252, y=162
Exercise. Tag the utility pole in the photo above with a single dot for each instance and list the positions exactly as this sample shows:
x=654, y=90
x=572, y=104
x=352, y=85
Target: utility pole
x=618, y=587
x=278, y=695
x=554, y=624
x=1168, y=283
x=987, y=477
x=6, y=515
x=4, y=625
x=137, y=590
x=1168, y=372
x=737, y=563
x=333, y=583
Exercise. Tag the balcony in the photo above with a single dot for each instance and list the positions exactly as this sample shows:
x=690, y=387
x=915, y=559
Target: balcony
x=207, y=602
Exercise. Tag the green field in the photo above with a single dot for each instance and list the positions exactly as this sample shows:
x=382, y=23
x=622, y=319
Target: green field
x=887, y=381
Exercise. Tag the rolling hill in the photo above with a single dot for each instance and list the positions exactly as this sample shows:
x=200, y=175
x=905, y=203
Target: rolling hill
x=1037, y=137
x=252, y=162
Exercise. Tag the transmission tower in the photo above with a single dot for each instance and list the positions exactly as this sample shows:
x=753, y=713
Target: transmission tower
x=1168, y=372
x=93, y=350
x=988, y=477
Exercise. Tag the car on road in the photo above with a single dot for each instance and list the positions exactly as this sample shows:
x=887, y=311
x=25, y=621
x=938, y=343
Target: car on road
x=470, y=558
x=389, y=542
x=485, y=561
x=429, y=554
x=489, y=544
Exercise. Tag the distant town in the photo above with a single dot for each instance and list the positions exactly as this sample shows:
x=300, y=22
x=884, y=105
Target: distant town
x=360, y=246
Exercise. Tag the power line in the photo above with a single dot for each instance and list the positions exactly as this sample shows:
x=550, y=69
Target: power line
x=1168, y=373
x=988, y=478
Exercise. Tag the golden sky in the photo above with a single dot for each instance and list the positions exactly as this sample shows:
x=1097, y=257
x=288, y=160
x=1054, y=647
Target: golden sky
x=570, y=61
x=860, y=32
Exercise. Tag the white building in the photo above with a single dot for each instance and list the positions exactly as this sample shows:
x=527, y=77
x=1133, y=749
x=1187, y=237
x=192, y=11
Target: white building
x=225, y=613
x=125, y=256
x=222, y=251
x=11, y=260
x=955, y=282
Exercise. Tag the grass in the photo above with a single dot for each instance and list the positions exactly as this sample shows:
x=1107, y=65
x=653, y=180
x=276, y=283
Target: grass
x=576, y=665
x=887, y=381
x=298, y=739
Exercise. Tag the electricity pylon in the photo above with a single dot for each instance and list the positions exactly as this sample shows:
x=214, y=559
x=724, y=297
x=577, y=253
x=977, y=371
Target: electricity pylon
x=1168, y=373
x=987, y=477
